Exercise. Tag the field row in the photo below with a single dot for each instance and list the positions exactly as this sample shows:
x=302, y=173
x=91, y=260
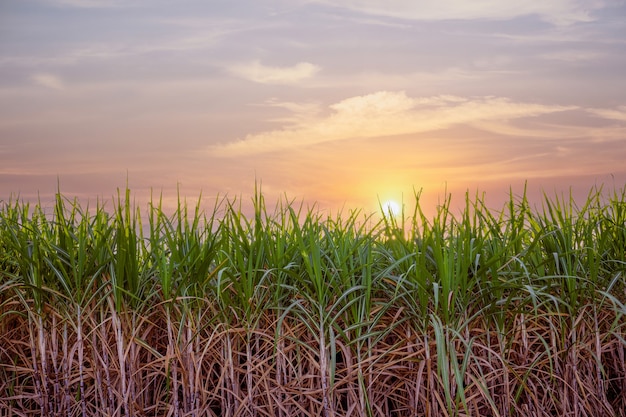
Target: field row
x=286, y=312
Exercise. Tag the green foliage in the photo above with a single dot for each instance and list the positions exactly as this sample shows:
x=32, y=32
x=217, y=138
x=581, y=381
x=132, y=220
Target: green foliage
x=460, y=303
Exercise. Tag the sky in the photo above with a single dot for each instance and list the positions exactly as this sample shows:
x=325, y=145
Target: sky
x=340, y=104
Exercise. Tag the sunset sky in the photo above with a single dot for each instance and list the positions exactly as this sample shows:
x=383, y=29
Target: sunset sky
x=343, y=103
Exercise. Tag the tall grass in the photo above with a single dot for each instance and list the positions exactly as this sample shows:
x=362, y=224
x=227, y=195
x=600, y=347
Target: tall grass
x=286, y=312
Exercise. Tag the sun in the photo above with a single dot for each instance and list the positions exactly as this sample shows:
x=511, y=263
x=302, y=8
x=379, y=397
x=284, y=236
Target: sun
x=391, y=208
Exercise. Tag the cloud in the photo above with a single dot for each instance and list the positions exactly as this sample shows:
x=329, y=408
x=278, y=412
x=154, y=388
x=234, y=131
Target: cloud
x=49, y=81
x=557, y=11
x=298, y=108
x=259, y=73
x=573, y=56
x=384, y=113
x=298, y=112
x=619, y=114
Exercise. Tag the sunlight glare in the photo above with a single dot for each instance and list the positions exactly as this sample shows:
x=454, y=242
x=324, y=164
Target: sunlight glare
x=391, y=208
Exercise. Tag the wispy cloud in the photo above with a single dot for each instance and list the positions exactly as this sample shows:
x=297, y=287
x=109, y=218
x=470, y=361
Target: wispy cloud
x=572, y=56
x=49, y=81
x=558, y=12
x=263, y=74
x=385, y=113
x=612, y=114
x=298, y=112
